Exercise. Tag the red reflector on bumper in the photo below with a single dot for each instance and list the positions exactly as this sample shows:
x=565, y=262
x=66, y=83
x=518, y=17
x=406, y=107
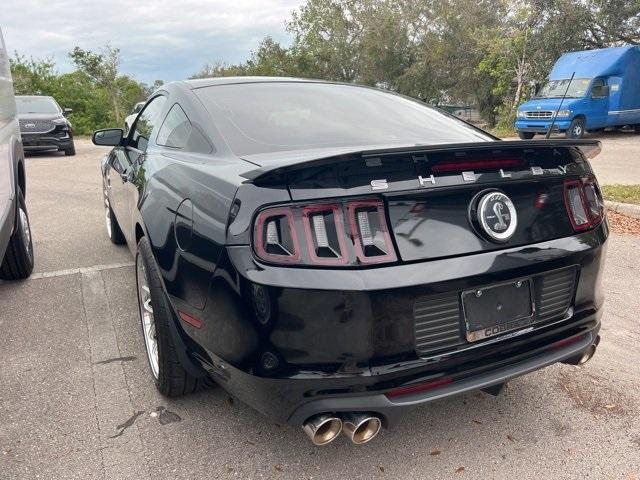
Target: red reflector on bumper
x=419, y=387
x=193, y=321
x=567, y=341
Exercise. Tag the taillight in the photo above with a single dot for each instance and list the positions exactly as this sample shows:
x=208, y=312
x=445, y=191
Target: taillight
x=369, y=231
x=584, y=203
x=275, y=236
x=325, y=234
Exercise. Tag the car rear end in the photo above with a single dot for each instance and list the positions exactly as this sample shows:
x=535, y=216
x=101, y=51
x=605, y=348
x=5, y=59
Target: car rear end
x=381, y=280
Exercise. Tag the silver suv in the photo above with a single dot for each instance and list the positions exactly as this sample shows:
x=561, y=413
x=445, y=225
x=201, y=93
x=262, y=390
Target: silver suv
x=16, y=247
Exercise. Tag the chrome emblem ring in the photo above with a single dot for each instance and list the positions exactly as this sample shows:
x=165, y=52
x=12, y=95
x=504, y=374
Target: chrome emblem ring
x=497, y=216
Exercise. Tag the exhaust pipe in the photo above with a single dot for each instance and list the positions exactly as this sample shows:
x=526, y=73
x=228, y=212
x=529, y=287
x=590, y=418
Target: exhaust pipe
x=587, y=355
x=361, y=427
x=323, y=428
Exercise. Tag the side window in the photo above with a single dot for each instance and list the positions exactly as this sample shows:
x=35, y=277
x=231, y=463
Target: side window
x=147, y=122
x=598, y=89
x=178, y=132
x=176, y=128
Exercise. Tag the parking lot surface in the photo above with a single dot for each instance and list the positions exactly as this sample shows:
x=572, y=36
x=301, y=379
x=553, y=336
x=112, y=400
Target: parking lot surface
x=76, y=399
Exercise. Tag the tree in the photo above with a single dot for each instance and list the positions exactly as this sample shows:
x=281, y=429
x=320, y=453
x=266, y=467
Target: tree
x=96, y=91
x=102, y=68
x=33, y=76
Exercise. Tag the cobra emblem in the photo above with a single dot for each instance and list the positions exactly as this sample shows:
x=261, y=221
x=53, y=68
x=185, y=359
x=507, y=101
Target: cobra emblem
x=497, y=209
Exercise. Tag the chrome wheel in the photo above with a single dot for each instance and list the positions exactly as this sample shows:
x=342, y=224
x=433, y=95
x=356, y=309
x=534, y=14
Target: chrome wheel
x=26, y=230
x=107, y=216
x=147, y=318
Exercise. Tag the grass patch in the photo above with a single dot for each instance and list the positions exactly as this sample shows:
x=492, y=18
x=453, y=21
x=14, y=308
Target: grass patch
x=503, y=132
x=622, y=193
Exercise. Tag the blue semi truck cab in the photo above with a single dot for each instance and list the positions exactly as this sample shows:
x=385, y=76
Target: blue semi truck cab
x=604, y=92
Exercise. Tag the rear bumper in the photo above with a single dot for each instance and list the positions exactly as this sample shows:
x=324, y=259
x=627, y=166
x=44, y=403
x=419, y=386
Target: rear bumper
x=294, y=400
x=34, y=142
x=339, y=340
x=390, y=407
x=541, y=126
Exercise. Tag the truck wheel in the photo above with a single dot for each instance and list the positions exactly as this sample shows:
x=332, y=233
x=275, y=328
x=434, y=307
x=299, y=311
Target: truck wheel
x=526, y=135
x=113, y=227
x=576, y=129
x=636, y=129
x=170, y=378
x=18, y=259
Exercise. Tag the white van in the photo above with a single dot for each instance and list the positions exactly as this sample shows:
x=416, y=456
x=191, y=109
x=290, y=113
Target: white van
x=16, y=246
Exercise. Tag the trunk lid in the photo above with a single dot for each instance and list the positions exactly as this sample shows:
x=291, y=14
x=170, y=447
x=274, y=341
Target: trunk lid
x=430, y=192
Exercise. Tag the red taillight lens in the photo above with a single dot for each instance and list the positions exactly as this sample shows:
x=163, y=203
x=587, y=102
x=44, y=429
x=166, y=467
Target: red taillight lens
x=584, y=203
x=275, y=236
x=340, y=234
x=369, y=232
x=324, y=233
x=593, y=198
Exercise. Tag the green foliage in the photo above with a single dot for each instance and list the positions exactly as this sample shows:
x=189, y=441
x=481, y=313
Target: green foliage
x=622, y=193
x=491, y=53
x=99, y=96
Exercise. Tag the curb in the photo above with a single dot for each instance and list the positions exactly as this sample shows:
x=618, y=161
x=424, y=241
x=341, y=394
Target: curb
x=628, y=209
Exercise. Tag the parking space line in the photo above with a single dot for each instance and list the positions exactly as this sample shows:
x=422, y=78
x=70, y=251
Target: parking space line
x=120, y=448
x=75, y=271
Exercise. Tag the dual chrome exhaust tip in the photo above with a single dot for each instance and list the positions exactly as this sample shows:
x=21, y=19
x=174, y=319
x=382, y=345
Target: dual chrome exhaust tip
x=359, y=427
x=323, y=428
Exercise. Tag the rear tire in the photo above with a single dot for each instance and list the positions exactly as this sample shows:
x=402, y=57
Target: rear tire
x=18, y=259
x=576, y=129
x=169, y=376
x=526, y=135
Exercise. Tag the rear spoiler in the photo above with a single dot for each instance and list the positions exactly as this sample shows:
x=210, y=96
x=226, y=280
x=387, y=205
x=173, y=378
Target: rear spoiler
x=276, y=168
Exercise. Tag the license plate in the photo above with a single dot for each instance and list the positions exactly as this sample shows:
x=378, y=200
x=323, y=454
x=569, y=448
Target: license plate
x=498, y=309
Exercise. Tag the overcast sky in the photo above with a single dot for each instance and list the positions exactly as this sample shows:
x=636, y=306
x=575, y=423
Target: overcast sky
x=158, y=39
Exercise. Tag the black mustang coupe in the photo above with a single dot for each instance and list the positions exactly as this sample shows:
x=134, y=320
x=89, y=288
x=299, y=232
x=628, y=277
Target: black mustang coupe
x=334, y=254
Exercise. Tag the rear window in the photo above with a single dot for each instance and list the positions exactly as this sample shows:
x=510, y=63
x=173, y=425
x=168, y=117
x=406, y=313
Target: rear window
x=257, y=118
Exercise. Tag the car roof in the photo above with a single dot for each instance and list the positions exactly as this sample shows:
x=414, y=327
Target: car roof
x=34, y=96
x=210, y=82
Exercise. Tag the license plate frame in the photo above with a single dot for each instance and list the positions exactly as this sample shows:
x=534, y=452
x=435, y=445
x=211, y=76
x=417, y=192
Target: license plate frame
x=495, y=309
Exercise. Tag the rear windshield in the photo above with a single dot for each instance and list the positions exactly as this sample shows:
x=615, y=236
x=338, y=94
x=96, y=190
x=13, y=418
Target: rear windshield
x=37, y=105
x=257, y=118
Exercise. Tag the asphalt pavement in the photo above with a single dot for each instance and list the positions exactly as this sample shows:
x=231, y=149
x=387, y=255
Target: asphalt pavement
x=77, y=401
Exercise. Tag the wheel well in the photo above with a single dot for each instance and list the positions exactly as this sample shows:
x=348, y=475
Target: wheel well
x=22, y=183
x=580, y=116
x=139, y=232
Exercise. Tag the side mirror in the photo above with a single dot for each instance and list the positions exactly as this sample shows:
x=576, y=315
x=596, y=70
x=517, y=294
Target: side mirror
x=66, y=111
x=108, y=137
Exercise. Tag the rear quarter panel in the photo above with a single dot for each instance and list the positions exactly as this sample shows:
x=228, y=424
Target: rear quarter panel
x=184, y=207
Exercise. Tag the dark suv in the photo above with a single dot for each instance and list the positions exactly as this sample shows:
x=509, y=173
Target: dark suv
x=43, y=125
